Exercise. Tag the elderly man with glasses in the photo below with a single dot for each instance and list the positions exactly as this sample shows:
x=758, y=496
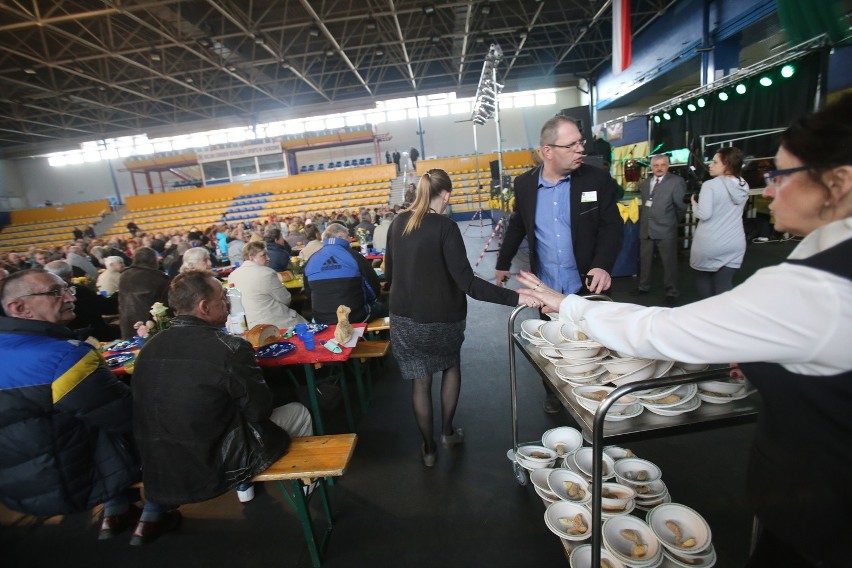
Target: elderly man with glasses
x=65, y=420
x=568, y=212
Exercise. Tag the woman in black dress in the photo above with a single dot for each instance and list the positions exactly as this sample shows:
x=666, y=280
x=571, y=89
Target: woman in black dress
x=429, y=278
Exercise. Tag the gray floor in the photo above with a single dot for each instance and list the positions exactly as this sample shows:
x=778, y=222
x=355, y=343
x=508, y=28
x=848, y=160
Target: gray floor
x=391, y=511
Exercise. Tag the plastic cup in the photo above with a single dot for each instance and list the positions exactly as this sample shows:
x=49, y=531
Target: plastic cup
x=300, y=329
x=308, y=340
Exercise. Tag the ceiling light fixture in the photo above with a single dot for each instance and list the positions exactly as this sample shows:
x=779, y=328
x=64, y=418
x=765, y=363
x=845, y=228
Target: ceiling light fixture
x=30, y=71
x=371, y=24
x=787, y=71
x=313, y=31
x=155, y=56
x=428, y=9
x=329, y=52
x=740, y=89
x=657, y=118
x=691, y=107
x=701, y=103
x=435, y=39
x=723, y=96
x=486, y=9
x=379, y=51
x=679, y=111
x=766, y=81
x=667, y=116
x=188, y=79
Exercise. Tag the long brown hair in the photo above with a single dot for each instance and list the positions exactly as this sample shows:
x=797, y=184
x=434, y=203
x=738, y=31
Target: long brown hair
x=431, y=184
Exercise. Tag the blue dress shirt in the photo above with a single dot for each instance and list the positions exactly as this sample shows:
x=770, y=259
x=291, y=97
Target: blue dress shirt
x=557, y=267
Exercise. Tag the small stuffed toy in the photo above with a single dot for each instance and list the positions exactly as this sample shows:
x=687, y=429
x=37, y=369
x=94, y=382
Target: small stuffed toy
x=344, y=330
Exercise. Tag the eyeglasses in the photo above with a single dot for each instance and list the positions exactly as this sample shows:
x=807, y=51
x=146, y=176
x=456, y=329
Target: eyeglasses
x=773, y=176
x=581, y=142
x=56, y=292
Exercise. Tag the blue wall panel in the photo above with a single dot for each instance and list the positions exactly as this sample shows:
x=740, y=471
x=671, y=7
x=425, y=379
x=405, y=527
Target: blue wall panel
x=673, y=39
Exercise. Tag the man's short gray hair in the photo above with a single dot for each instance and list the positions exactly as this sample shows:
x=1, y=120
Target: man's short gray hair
x=61, y=268
x=656, y=157
x=195, y=259
x=335, y=230
x=113, y=260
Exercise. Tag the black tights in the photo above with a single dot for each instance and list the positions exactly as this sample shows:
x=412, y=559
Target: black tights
x=421, y=400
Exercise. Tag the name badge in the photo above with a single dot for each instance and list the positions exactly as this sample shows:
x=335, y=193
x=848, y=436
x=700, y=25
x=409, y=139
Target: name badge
x=649, y=202
x=588, y=197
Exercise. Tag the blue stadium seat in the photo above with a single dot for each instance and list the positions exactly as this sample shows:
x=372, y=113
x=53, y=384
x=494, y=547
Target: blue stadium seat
x=331, y=165
x=311, y=168
x=361, y=162
x=303, y=169
x=337, y=165
x=369, y=160
x=321, y=167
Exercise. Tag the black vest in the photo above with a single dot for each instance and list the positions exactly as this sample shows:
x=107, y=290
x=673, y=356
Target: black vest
x=800, y=471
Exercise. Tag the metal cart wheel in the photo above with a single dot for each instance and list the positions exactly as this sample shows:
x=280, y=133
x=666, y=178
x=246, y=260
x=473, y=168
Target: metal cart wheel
x=521, y=475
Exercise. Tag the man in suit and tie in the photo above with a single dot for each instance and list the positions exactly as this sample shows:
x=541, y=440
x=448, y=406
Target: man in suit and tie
x=662, y=209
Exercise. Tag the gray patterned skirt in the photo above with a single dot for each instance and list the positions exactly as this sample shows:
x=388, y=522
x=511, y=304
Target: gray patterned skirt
x=422, y=349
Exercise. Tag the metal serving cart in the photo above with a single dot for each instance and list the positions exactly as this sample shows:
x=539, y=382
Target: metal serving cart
x=595, y=430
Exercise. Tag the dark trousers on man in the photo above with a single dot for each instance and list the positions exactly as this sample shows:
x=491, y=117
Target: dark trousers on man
x=667, y=249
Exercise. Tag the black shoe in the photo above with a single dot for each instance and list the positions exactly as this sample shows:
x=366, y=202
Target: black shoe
x=114, y=524
x=640, y=291
x=147, y=531
x=671, y=300
x=552, y=404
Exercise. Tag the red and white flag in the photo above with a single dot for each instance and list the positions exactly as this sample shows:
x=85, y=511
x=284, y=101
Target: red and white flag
x=621, y=44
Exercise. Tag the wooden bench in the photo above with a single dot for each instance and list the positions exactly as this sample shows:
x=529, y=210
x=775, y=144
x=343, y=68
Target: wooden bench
x=363, y=351
x=378, y=325
x=320, y=457
x=311, y=457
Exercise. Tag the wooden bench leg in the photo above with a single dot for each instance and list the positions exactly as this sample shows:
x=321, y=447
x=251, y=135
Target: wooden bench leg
x=297, y=499
x=363, y=398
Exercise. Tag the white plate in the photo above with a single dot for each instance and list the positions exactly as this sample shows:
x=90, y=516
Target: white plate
x=725, y=399
x=619, y=453
x=581, y=377
x=667, y=498
x=655, y=489
x=567, y=509
x=619, y=546
x=692, y=404
x=685, y=392
x=704, y=560
x=693, y=367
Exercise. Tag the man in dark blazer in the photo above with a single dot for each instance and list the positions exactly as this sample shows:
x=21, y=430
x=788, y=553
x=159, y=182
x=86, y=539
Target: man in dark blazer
x=661, y=210
x=569, y=215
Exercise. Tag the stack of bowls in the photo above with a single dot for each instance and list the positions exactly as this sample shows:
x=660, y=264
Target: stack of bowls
x=616, y=499
x=722, y=392
x=589, y=397
x=558, y=481
x=563, y=440
x=684, y=534
x=559, y=518
x=581, y=557
x=535, y=457
x=641, y=549
x=530, y=331
x=581, y=462
x=539, y=480
x=645, y=478
x=680, y=400
x=626, y=370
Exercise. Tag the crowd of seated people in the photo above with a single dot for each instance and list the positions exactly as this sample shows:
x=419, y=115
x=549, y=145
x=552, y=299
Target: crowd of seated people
x=102, y=263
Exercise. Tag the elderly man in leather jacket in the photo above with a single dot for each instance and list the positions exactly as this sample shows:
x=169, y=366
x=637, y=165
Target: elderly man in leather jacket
x=203, y=415
x=65, y=419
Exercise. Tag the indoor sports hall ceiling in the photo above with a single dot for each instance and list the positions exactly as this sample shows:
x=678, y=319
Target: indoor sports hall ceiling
x=79, y=70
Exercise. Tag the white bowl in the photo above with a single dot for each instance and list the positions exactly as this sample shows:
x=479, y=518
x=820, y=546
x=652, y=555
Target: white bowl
x=646, y=492
x=583, y=461
x=678, y=397
x=618, y=453
x=526, y=458
x=692, y=526
x=655, y=394
x=662, y=367
x=550, y=354
x=693, y=403
x=551, y=332
x=722, y=387
x=576, y=366
x=546, y=496
x=620, y=498
x=582, y=395
x=582, y=557
x=639, y=374
x=567, y=510
x=572, y=333
x=706, y=558
x=531, y=327
x=557, y=480
x=539, y=480
x=624, y=365
x=622, y=548
x=630, y=470
x=582, y=350
x=563, y=440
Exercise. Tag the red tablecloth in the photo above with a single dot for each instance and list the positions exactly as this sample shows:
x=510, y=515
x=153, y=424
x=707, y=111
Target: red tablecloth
x=319, y=355
x=374, y=256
